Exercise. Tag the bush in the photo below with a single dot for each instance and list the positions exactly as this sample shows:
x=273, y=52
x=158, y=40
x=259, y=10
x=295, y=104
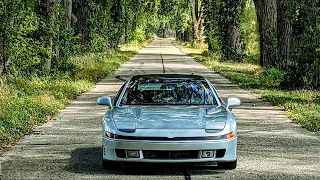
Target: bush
x=138, y=35
x=271, y=77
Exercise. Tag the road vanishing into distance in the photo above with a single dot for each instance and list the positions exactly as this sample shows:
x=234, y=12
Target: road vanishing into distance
x=270, y=145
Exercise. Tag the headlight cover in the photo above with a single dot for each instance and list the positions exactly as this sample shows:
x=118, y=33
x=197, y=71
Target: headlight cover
x=232, y=127
x=216, y=125
x=106, y=130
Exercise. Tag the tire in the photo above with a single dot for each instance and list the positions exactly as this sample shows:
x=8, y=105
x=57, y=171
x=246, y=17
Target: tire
x=108, y=164
x=228, y=165
x=105, y=164
x=111, y=165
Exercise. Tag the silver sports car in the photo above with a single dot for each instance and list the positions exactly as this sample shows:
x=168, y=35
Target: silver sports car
x=169, y=118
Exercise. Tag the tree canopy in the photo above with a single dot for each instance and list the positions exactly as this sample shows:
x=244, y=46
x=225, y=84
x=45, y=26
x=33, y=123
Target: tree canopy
x=38, y=37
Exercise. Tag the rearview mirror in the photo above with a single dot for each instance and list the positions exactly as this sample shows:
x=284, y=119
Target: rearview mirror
x=105, y=100
x=233, y=102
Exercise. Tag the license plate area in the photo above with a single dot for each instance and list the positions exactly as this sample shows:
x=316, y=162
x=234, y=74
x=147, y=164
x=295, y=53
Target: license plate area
x=147, y=154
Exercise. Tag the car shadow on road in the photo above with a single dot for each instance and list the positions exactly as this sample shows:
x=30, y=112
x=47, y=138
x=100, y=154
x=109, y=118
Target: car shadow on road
x=88, y=161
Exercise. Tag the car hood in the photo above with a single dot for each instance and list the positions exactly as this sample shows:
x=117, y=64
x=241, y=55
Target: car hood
x=169, y=117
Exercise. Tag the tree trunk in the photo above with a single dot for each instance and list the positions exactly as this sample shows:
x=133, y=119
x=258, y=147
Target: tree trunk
x=186, y=35
x=6, y=31
x=195, y=30
x=284, y=31
x=3, y=63
x=201, y=28
x=81, y=12
x=195, y=22
x=56, y=48
x=67, y=4
x=233, y=40
x=196, y=14
x=49, y=16
x=201, y=32
x=267, y=19
x=2, y=52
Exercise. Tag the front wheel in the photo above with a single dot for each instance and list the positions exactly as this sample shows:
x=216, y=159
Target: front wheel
x=111, y=165
x=105, y=164
x=227, y=165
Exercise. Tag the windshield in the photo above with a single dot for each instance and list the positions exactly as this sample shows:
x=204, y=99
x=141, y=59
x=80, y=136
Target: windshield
x=168, y=91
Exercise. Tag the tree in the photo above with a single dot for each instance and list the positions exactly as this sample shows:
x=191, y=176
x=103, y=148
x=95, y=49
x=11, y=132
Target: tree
x=302, y=66
x=197, y=20
x=267, y=19
x=67, y=4
x=222, y=18
x=17, y=24
x=233, y=45
x=46, y=12
x=285, y=15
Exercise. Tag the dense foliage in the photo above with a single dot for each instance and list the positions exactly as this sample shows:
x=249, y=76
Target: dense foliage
x=38, y=37
x=288, y=30
x=302, y=64
x=222, y=18
x=53, y=50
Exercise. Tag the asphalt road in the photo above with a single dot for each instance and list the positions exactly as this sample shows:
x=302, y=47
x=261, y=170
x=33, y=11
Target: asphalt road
x=69, y=147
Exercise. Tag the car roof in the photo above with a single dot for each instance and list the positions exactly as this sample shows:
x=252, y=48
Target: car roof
x=169, y=76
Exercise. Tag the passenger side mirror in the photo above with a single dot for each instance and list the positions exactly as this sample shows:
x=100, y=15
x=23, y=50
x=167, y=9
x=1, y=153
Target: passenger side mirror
x=105, y=100
x=233, y=102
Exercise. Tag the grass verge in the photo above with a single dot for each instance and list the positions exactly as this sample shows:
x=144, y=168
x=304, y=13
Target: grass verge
x=26, y=102
x=303, y=106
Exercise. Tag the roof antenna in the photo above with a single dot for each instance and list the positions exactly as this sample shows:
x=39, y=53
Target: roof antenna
x=164, y=69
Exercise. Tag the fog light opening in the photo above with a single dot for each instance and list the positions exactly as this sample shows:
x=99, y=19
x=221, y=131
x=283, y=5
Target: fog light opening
x=207, y=154
x=132, y=154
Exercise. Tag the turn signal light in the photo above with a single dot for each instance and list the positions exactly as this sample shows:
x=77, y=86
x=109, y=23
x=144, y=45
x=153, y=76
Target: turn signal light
x=110, y=135
x=230, y=135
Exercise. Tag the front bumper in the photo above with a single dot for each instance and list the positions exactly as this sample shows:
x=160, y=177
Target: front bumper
x=111, y=145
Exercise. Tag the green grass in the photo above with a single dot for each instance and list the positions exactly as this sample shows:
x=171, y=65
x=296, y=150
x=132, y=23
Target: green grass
x=303, y=106
x=26, y=102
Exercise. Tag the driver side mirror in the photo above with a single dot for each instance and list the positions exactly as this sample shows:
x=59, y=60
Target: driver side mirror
x=233, y=102
x=105, y=100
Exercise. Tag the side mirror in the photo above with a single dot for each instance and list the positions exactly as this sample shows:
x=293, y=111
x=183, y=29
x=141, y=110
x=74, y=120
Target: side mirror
x=105, y=100
x=233, y=102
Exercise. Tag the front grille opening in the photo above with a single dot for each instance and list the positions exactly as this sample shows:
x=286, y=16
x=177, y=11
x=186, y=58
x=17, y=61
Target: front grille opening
x=121, y=153
x=170, y=154
x=220, y=153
